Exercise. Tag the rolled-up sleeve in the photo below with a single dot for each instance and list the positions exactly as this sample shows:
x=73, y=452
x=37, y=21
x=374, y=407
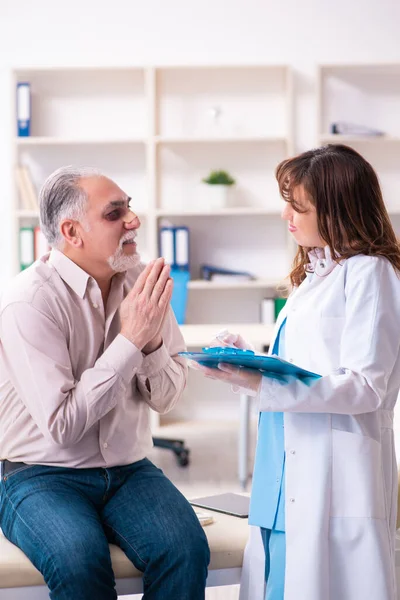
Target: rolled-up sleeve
x=36, y=353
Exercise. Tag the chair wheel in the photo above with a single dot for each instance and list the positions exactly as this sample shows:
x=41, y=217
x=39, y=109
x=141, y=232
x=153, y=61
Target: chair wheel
x=183, y=458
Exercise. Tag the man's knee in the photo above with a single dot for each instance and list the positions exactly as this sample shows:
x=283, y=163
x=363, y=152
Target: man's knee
x=74, y=564
x=189, y=545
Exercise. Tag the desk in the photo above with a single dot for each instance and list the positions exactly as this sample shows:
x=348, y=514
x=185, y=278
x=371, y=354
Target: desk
x=260, y=335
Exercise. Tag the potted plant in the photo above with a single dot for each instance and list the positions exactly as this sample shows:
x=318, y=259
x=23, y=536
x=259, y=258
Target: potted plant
x=218, y=186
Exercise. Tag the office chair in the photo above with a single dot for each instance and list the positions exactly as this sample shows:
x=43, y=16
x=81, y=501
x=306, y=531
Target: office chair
x=177, y=446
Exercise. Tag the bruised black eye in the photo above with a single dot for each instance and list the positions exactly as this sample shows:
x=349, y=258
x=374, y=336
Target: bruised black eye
x=113, y=215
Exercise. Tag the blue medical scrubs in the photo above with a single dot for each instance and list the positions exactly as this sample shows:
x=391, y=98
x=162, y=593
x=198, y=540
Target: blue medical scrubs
x=267, y=505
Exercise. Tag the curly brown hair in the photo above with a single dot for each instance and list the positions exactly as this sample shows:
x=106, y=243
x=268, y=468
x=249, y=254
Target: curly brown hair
x=351, y=215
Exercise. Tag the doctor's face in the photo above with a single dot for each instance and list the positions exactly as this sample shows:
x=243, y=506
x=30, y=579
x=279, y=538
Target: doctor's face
x=302, y=220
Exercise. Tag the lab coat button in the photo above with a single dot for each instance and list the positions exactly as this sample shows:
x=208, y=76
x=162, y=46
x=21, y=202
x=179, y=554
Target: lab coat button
x=291, y=499
x=290, y=359
x=292, y=451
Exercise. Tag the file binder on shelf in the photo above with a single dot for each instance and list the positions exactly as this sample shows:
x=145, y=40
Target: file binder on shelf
x=23, y=109
x=269, y=365
x=26, y=247
x=180, y=294
x=167, y=244
x=181, y=248
x=174, y=246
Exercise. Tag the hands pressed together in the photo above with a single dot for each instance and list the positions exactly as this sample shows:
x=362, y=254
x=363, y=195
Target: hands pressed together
x=144, y=309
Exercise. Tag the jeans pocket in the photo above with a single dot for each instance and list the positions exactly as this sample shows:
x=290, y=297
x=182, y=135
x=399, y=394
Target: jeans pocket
x=8, y=476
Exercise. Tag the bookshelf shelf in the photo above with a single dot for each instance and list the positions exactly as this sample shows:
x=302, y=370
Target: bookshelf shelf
x=262, y=284
x=222, y=139
x=239, y=211
x=198, y=336
x=55, y=141
x=27, y=214
x=358, y=139
x=366, y=95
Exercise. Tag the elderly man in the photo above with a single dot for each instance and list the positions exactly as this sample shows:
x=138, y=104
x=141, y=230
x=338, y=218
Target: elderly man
x=88, y=344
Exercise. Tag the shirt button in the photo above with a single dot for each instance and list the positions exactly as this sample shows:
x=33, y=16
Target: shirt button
x=105, y=445
x=292, y=451
x=291, y=500
x=277, y=480
x=95, y=305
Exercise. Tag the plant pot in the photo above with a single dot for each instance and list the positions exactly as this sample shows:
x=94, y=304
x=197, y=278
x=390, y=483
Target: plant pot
x=215, y=196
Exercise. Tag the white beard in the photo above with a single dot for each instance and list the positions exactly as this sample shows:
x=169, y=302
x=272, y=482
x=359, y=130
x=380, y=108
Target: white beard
x=119, y=262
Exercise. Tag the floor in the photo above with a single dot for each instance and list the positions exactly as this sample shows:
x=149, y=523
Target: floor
x=212, y=469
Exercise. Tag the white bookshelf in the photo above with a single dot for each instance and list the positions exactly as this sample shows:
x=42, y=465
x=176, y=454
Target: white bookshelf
x=158, y=131
x=368, y=95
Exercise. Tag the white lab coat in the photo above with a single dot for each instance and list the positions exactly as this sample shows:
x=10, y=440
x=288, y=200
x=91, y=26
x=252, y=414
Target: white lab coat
x=341, y=474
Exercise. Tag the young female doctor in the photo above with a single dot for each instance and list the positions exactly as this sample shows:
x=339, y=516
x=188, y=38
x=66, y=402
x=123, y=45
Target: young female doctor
x=325, y=477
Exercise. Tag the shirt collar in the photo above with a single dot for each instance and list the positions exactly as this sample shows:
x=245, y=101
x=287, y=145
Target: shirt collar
x=70, y=272
x=321, y=262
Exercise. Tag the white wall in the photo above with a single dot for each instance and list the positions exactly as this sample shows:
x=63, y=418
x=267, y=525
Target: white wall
x=130, y=32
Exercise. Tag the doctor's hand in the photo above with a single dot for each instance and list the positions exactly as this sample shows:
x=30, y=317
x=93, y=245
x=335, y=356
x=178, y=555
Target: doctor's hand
x=244, y=381
x=231, y=340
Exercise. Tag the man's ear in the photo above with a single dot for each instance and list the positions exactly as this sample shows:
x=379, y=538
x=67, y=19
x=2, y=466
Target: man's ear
x=70, y=232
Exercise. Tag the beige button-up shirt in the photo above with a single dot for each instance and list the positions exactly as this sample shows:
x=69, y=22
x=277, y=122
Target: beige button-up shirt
x=74, y=392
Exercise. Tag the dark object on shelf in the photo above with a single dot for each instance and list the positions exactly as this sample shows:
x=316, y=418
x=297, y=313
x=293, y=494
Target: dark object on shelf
x=177, y=446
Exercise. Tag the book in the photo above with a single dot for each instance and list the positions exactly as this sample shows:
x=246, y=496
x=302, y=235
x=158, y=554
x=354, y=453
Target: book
x=269, y=365
x=204, y=518
x=32, y=194
x=26, y=189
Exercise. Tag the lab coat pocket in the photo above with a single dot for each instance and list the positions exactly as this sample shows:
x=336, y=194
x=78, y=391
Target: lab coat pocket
x=357, y=485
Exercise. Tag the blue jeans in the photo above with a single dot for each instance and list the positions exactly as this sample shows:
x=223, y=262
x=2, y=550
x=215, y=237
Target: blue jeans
x=63, y=520
x=275, y=561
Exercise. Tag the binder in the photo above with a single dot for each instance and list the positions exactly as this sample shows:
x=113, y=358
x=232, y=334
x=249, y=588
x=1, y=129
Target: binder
x=23, y=109
x=26, y=247
x=179, y=298
x=269, y=365
x=215, y=273
x=40, y=243
x=181, y=248
x=167, y=244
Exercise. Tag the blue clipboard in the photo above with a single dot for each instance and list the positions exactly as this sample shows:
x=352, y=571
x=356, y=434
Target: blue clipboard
x=273, y=365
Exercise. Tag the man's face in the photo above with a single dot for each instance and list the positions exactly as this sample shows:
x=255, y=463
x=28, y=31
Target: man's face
x=110, y=227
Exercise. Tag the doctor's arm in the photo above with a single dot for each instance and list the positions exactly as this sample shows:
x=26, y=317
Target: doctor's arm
x=369, y=350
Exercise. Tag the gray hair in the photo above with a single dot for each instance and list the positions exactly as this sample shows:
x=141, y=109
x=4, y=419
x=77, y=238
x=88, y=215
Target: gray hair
x=61, y=197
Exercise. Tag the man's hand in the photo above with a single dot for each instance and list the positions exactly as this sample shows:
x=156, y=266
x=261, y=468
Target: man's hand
x=143, y=311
